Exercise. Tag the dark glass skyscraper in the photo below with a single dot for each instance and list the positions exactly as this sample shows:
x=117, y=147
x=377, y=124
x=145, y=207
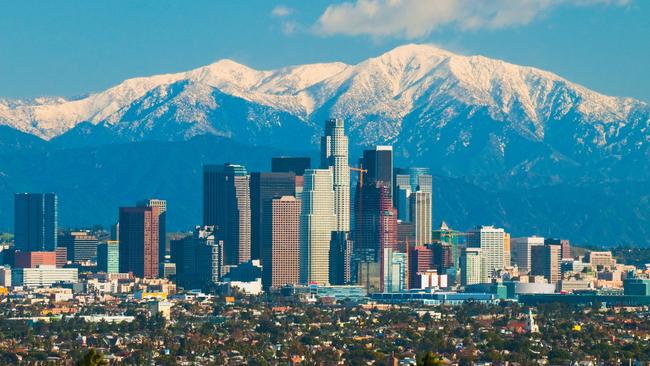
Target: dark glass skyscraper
x=263, y=188
x=379, y=162
x=293, y=164
x=35, y=221
x=139, y=241
x=226, y=205
x=376, y=222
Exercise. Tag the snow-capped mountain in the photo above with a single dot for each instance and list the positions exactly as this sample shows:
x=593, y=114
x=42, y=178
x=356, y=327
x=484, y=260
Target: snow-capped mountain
x=510, y=145
x=435, y=106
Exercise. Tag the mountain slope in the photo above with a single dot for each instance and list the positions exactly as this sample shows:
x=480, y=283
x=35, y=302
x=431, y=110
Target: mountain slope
x=375, y=95
x=511, y=145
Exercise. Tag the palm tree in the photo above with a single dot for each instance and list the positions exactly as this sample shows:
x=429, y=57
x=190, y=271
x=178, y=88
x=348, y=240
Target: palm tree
x=93, y=358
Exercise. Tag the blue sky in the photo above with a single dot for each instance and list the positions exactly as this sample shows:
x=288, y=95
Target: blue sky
x=70, y=48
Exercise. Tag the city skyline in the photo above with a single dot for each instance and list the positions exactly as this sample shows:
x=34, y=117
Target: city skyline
x=346, y=182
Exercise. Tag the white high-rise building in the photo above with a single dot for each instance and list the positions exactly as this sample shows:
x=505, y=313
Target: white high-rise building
x=520, y=250
x=317, y=221
x=334, y=155
x=491, y=242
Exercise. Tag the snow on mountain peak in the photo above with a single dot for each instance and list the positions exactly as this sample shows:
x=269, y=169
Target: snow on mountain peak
x=384, y=88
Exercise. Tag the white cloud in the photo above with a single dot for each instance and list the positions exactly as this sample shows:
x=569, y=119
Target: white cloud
x=416, y=18
x=281, y=11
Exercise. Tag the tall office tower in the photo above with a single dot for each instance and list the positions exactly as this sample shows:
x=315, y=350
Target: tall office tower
x=281, y=242
x=317, y=222
x=226, y=205
x=334, y=155
x=263, y=188
x=395, y=272
x=507, y=257
x=341, y=247
x=420, y=259
x=420, y=179
x=472, y=262
x=374, y=217
x=290, y=164
x=35, y=222
x=402, y=192
x=442, y=257
x=452, y=237
x=198, y=258
x=162, y=224
x=108, y=257
x=545, y=261
x=379, y=163
x=521, y=249
x=564, y=244
x=420, y=204
x=388, y=236
x=139, y=241
x=81, y=245
x=490, y=240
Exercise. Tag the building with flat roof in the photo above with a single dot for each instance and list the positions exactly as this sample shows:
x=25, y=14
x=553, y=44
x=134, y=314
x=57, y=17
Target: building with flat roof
x=420, y=206
x=293, y=164
x=81, y=245
x=521, y=249
x=263, y=188
x=162, y=224
x=491, y=242
x=43, y=276
x=317, y=222
x=472, y=262
x=35, y=222
x=198, y=258
x=281, y=242
x=108, y=257
x=545, y=261
x=139, y=241
x=34, y=259
x=226, y=205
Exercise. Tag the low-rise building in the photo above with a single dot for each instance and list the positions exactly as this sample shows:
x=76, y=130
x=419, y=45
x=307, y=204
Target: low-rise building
x=43, y=276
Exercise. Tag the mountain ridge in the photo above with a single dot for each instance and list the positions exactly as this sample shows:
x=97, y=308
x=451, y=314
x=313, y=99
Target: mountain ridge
x=404, y=74
x=512, y=145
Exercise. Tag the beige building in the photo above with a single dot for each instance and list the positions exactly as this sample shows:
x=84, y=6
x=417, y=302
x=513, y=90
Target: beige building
x=420, y=206
x=281, y=243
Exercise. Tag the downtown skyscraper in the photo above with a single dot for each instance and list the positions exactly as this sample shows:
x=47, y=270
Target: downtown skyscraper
x=281, y=242
x=334, y=155
x=35, y=221
x=317, y=222
x=139, y=241
x=162, y=224
x=226, y=205
x=263, y=188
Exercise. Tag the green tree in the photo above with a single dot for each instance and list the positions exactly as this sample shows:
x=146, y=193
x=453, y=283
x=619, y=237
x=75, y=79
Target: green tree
x=430, y=359
x=93, y=358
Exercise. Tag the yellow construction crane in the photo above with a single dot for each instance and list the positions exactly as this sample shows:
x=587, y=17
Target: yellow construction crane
x=361, y=173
